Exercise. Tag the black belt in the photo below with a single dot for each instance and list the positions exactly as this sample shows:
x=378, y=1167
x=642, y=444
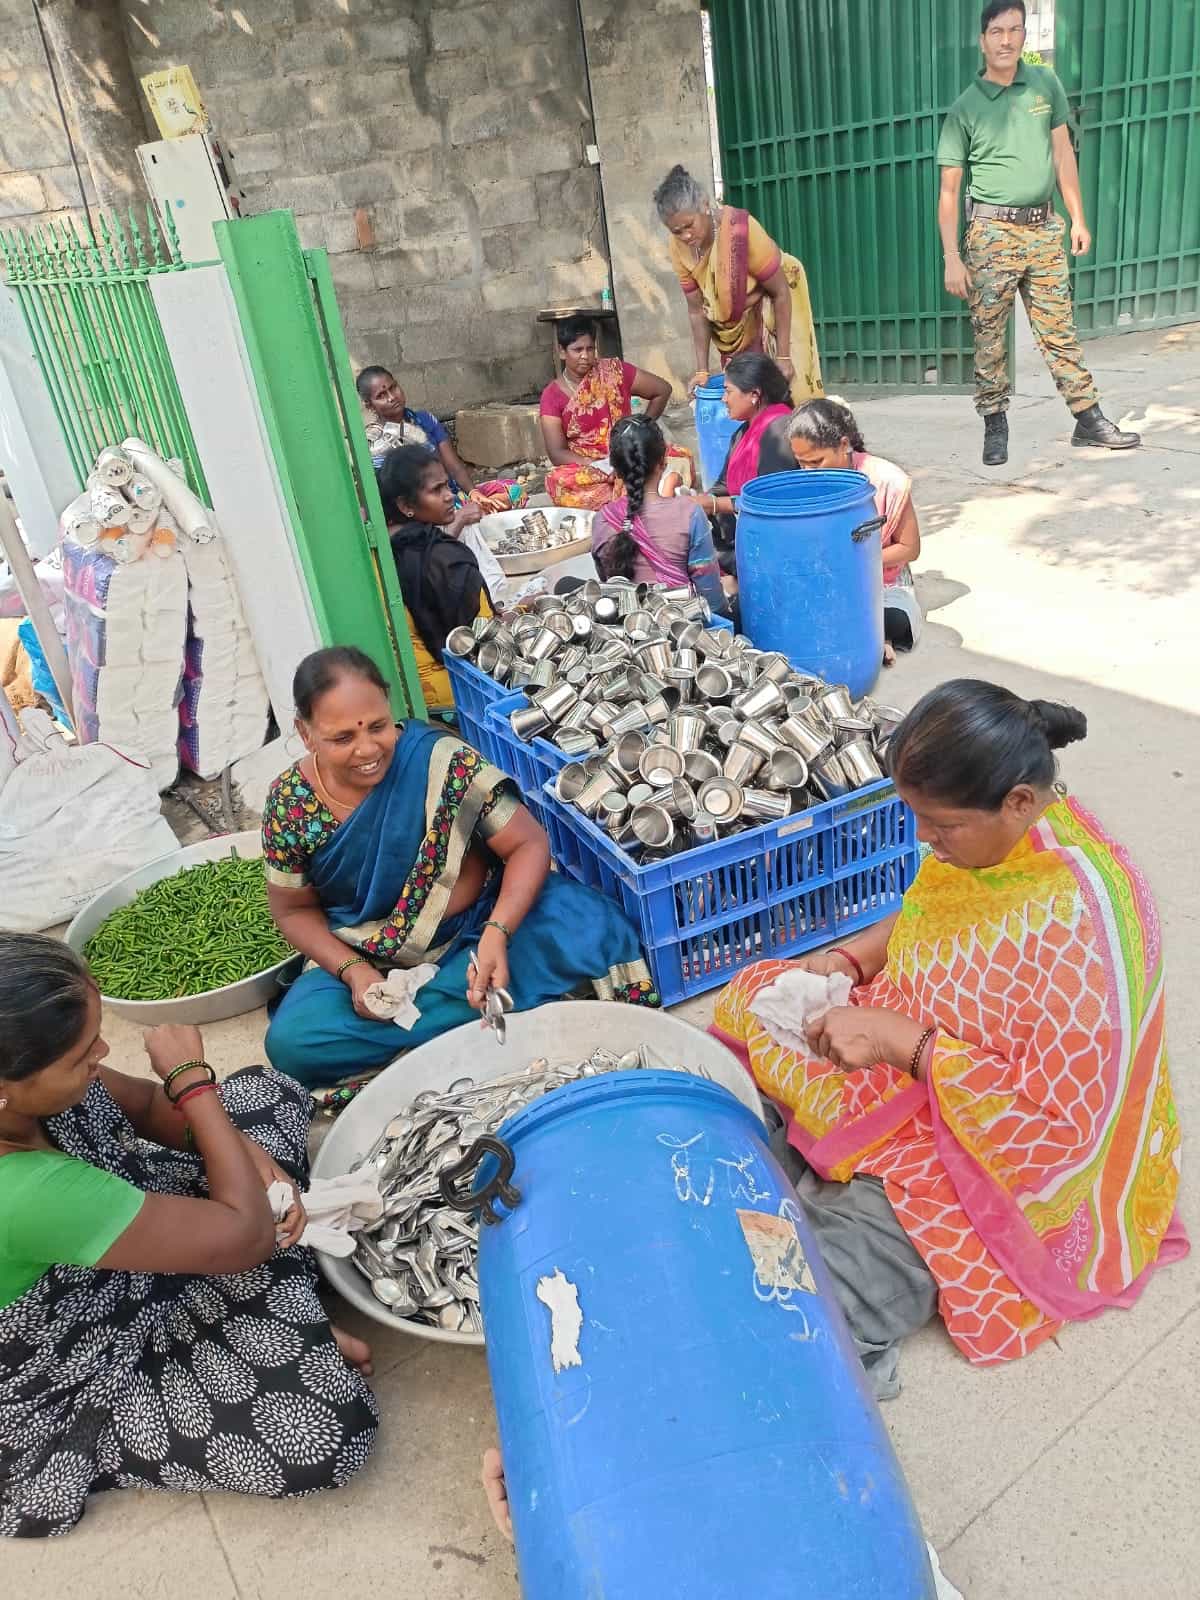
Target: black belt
x=1025, y=214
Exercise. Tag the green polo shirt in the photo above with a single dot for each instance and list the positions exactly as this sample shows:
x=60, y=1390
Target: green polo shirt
x=1001, y=132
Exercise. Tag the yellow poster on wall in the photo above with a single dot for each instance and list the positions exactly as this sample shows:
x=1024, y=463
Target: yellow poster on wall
x=175, y=102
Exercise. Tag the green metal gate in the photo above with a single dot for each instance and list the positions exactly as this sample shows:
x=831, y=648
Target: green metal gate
x=829, y=113
x=1131, y=69
x=97, y=339
x=297, y=348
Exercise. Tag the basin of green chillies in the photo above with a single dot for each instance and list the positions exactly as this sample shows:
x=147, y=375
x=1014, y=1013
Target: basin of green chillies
x=189, y=938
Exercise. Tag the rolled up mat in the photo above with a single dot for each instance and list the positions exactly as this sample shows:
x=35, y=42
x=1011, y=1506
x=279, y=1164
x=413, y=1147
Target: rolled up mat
x=193, y=516
x=143, y=493
x=113, y=467
x=109, y=507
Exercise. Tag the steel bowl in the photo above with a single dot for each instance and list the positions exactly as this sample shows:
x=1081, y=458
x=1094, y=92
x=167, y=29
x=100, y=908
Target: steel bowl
x=563, y=1031
x=212, y=1005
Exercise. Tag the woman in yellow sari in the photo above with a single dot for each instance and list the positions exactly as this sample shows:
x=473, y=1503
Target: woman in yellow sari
x=742, y=291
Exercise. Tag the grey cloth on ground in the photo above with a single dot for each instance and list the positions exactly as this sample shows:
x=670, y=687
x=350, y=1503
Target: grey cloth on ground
x=884, y=1288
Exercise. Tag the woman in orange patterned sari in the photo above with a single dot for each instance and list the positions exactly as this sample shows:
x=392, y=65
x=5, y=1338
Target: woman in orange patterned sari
x=578, y=411
x=1001, y=1071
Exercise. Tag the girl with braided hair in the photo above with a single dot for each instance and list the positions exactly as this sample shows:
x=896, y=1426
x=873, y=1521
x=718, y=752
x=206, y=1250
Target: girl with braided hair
x=645, y=536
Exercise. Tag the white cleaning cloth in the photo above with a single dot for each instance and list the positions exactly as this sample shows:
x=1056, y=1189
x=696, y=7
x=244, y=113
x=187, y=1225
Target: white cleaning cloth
x=795, y=999
x=944, y=1588
x=336, y=1208
x=391, y=999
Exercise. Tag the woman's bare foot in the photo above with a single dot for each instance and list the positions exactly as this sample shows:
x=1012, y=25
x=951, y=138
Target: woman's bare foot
x=889, y=654
x=497, y=1491
x=356, y=1351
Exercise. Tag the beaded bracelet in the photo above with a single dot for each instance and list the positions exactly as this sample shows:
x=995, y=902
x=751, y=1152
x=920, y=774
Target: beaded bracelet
x=350, y=961
x=860, y=976
x=210, y=1082
x=920, y=1051
x=184, y=1066
x=499, y=926
x=196, y=1088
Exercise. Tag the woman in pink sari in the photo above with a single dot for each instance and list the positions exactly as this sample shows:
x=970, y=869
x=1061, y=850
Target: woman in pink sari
x=756, y=395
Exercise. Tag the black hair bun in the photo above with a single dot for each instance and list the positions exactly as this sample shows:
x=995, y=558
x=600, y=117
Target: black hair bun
x=1062, y=724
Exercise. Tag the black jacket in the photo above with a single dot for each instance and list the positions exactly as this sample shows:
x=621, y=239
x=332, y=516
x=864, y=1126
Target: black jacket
x=439, y=579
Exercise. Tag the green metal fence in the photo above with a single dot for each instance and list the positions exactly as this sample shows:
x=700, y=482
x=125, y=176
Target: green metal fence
x=1131, y=69
x=829, y=113
x=97, y=338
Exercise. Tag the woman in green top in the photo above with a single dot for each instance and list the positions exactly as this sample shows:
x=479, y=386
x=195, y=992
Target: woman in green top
x=157, y=1328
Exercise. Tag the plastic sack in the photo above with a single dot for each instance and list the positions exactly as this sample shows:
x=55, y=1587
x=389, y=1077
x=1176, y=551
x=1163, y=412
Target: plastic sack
x=73, y=819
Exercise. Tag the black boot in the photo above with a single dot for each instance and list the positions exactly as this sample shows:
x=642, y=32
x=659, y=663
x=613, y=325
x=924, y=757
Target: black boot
x=1093, y=427
x=995, y=439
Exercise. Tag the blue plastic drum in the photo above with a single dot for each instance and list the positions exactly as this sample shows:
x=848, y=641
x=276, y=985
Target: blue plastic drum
x=714, y=428
x=682, y=1411
x=810, y=573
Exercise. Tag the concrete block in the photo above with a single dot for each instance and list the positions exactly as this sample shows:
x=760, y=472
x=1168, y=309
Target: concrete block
x=515, y=333
x=21, y=46
x=476, y=29
x=433, y=218
x=385, y=40
x=515, y=291
x=561, y=195
x=485, y=116
x=340, y=231
x=537, y=149
x=443, y=340
x=20, y=194
x=331, y=146
x=233, y=59
x=505, y=202
x=312, y=231
x=258, y=108
x=493, y=435
x=364, y=185
x=435, y=263
x=375, y=347
x=531, y=66
x=454, y=77
x=524, y=377
x=421, y=170
x=256, y=153
x=504, y=248
x=187, y=25
x=352, y=272
x=443, y=303
x=392, y=114
x=313, y=46
x=586, y=278
x=303, y=195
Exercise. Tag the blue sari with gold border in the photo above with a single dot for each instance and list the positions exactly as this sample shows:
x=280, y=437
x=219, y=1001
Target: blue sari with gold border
x=385, y=876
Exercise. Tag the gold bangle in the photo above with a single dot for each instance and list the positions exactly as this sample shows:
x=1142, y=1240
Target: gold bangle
x=351, y=961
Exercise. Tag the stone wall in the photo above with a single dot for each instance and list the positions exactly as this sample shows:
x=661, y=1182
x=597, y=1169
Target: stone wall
x=434, y=148
x=36, y=175
x=646, y=68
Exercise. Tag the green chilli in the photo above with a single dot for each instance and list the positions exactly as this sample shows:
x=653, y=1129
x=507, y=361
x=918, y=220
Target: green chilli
x=200, y=929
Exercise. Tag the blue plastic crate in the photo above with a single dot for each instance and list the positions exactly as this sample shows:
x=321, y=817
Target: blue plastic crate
x=473, y=690
x=531, y=765
x=775, y=890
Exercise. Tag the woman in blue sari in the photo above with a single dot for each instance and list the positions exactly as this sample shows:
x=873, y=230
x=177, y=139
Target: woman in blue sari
x=395, y=847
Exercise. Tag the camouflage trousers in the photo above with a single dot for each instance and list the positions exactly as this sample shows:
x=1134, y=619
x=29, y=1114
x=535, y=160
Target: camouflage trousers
x=1004, y=258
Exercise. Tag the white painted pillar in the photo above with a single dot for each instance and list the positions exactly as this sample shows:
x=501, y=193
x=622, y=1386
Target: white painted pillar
x=200, y=323
x=32, y=452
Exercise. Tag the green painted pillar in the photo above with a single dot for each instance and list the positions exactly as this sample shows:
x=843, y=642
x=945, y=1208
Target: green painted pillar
x=301, y=369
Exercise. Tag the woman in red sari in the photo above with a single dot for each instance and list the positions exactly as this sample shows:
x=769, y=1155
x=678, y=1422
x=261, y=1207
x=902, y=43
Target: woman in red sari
x=578, y=410
x=756, y=395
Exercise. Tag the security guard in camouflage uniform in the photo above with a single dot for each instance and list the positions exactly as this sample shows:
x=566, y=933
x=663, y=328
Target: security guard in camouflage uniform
x=1010, y=129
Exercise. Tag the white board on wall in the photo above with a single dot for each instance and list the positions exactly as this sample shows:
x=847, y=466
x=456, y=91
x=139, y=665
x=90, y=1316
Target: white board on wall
x=200, y=323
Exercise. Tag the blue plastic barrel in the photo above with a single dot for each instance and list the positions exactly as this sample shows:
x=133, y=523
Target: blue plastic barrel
x=681, y=1408
x=714, y=428
x=810, y=577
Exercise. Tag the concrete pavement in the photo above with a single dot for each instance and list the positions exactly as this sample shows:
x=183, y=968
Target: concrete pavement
x=1071, y=1475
